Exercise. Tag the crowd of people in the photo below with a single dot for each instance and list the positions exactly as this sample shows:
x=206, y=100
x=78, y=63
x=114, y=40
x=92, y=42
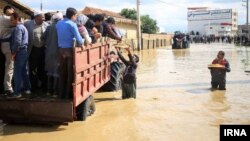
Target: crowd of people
x=38, y=54
x=211, y=39
x=237, y=39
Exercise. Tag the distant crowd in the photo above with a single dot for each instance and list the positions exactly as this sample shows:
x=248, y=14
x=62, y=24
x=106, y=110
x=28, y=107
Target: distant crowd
x=218, y=39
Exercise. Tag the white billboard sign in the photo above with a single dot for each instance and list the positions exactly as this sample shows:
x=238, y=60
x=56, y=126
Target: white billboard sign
x=209, y=15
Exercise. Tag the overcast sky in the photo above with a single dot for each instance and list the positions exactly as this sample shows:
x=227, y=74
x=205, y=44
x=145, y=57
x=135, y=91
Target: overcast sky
x=171, y=15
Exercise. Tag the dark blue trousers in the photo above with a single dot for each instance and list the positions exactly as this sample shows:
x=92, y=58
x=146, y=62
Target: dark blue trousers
x=21, y=74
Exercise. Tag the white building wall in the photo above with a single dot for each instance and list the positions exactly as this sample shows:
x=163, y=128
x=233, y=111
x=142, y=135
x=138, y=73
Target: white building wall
x=234, y=20
x=202, y=21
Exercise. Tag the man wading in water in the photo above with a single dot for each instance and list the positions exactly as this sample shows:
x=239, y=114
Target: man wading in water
x=129, y=76
x=219, y=74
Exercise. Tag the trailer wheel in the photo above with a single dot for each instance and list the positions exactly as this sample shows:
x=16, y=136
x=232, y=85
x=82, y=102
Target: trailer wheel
x=86, y=108
x=82, y=110
x=116, y=71
x=91, y=106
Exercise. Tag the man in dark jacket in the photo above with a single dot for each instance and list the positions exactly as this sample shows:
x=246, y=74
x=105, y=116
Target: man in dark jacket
x=219, y=74
x=129, y=76
x=108, y=29
x=98, y=20
x=51, y=55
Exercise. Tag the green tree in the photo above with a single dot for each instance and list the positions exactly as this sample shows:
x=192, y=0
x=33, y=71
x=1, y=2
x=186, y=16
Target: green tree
x=148, y=25
x=129, y=13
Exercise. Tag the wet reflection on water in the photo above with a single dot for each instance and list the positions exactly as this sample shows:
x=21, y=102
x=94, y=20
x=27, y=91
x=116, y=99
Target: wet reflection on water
x=174, y=101
x=246, y=60
x=217, y=105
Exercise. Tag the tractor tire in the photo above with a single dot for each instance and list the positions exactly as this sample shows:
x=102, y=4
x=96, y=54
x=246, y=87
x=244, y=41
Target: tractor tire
x=86, y=108
x=91, y=106
x=115, y=82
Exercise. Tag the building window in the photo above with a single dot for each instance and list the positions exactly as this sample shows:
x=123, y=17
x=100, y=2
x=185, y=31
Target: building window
x=235, y=14
x=235, y=20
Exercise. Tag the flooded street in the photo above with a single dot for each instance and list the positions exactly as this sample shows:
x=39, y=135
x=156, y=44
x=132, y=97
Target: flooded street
x=174, y=102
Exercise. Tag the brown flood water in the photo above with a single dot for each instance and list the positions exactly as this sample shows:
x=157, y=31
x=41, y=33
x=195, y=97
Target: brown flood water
x=173, y=102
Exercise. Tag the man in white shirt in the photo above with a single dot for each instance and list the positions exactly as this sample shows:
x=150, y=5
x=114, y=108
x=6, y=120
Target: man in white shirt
x=5, y=33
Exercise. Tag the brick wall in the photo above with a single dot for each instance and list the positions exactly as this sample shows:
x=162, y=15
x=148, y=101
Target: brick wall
x=150, y=41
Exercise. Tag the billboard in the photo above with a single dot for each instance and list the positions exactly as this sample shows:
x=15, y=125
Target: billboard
x=209, y=15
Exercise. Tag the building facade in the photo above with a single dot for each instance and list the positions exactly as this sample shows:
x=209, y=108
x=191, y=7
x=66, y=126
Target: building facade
x=24, y=11
x=127, y=26
x=129, y=29
x=243, y=29
x=221, y=22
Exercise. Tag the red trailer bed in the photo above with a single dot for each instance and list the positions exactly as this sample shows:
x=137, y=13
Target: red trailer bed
x=91, y=71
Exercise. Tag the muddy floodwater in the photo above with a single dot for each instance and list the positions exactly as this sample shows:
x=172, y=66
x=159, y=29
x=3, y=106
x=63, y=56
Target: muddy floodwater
x=174, y=102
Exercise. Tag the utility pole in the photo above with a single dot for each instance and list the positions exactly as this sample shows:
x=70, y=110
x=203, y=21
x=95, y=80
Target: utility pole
x=209, y=28
x=247, y=19
x=138, y=26
x=41, y=5
x=247, y=13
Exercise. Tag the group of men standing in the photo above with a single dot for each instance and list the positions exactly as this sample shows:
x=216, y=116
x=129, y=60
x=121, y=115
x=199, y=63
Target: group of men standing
x=22, y=44
x=14, y=42
x=25, y=47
